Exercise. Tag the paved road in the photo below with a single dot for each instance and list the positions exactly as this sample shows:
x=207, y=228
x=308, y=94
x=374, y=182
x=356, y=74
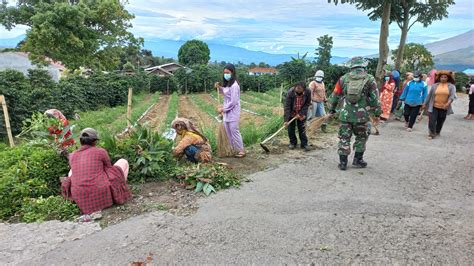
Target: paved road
x=413, y=204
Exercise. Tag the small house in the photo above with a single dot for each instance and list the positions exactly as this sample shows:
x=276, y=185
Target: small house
x=164, y=70
x=258, y=71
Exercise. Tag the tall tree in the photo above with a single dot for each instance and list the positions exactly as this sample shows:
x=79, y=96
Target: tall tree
x=417, y=57
x=295, y=70
x=323, y=52
x=408, y=12
x=194, y=52
x=78, y=33
x=372, y=6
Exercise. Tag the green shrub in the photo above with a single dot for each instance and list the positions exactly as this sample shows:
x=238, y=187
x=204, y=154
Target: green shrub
x=45, y=209
x=38, y=92
x=147, y=152
x=28, y=172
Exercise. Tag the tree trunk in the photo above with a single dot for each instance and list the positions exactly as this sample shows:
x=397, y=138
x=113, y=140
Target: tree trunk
x=383, y=42
x=403, y=38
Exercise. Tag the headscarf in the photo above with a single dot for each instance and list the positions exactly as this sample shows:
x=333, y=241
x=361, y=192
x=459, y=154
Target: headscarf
x=448, y=73
x=187, y=125
x=57, y=114
x=432, y=77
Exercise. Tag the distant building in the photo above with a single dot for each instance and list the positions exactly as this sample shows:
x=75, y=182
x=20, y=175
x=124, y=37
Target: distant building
x=19, y=61
x=164, y=70
x=258, y=71
x=469, y=72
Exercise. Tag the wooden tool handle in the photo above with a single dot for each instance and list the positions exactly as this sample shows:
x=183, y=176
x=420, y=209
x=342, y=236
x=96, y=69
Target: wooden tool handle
x=278, y=131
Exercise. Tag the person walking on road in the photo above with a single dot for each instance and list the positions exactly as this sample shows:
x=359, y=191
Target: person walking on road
x=359, y=90
x=413, y=96
x=297, y=102
x=439, y=100
x=470, y=91
x=386, y=97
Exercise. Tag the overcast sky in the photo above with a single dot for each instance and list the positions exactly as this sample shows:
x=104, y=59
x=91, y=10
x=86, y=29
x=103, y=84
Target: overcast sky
x=277, y=26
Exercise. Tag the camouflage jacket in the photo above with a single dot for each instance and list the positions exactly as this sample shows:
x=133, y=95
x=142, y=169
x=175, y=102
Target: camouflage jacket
x=369, y=102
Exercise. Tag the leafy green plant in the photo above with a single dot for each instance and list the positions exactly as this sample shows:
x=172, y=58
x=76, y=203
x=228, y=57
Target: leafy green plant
x=148, y=153
x=50, y=208
x=207, y=178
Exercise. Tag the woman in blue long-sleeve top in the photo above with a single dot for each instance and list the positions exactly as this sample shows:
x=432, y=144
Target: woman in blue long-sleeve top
x=414, y=96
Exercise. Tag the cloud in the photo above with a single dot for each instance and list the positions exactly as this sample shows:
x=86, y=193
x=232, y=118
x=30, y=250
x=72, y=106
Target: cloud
x=278, y=26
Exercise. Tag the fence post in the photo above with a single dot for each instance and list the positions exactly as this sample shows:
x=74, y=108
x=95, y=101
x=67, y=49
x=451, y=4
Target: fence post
x=129, y=107
x=281, y=92
x=7, y=120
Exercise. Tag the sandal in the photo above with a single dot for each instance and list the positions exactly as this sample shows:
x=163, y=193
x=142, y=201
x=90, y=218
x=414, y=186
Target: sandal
x=240, y=155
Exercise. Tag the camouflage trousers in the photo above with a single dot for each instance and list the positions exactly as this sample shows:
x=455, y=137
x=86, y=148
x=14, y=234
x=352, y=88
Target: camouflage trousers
x=345, y=134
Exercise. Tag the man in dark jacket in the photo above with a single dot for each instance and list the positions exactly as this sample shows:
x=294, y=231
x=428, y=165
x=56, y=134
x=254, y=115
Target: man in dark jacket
x=297, y=103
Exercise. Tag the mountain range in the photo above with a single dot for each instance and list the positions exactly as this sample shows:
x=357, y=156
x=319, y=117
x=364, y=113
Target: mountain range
x=228, y=53
x=455, y=53
x=219, y=52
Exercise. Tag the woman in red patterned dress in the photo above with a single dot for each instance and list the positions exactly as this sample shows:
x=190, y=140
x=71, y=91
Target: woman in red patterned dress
x=386, y=97
x=93, y=182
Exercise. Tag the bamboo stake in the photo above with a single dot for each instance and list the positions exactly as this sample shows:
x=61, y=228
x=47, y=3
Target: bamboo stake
x=281, y=96
x=7, y=120
x=129, y=107
x=281, y=92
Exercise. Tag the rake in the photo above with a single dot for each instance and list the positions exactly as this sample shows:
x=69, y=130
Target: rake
x=262, y=144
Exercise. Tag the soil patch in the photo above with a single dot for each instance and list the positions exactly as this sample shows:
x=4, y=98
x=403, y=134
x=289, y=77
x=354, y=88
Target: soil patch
x=189, y=110
x=157, y=114
x=167, y=195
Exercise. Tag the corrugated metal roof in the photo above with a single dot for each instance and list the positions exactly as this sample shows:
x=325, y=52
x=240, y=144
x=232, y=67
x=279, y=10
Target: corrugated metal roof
x=19, y=61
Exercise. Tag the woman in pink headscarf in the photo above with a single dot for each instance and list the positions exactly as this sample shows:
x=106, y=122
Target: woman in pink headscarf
x=431, y=78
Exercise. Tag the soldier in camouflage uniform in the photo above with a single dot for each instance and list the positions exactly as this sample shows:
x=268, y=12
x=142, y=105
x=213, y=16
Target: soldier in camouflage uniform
x=359, y=93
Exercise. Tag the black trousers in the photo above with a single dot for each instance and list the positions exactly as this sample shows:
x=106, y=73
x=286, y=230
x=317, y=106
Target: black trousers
x=394, y=102
x=471, y=104
x=301, y=131
x=437, y=118
x=410, y=113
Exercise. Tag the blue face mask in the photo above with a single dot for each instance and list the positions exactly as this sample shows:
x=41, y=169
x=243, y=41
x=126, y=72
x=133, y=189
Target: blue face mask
x=387, y=78
x=227, y=76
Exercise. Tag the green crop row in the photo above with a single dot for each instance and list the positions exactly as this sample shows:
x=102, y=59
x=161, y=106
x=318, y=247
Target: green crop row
x=108, y=119
x=172, y=112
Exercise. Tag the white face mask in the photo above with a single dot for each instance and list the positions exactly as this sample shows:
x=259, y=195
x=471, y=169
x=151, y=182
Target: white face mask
x=319, y=79
x=416, y=79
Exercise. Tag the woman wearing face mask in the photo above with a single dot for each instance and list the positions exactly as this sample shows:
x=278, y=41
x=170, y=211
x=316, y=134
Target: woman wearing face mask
x=439, y=101
x=414, y=96
x=386, y=97
x=231, y=108
x=318, y=96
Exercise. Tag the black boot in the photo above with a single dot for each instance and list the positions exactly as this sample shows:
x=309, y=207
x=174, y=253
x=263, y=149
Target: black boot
x=342, y=162
x=359, y=161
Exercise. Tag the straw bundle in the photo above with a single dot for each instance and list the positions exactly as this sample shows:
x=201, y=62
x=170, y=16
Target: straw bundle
x=315, y=124
x=224, y=149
